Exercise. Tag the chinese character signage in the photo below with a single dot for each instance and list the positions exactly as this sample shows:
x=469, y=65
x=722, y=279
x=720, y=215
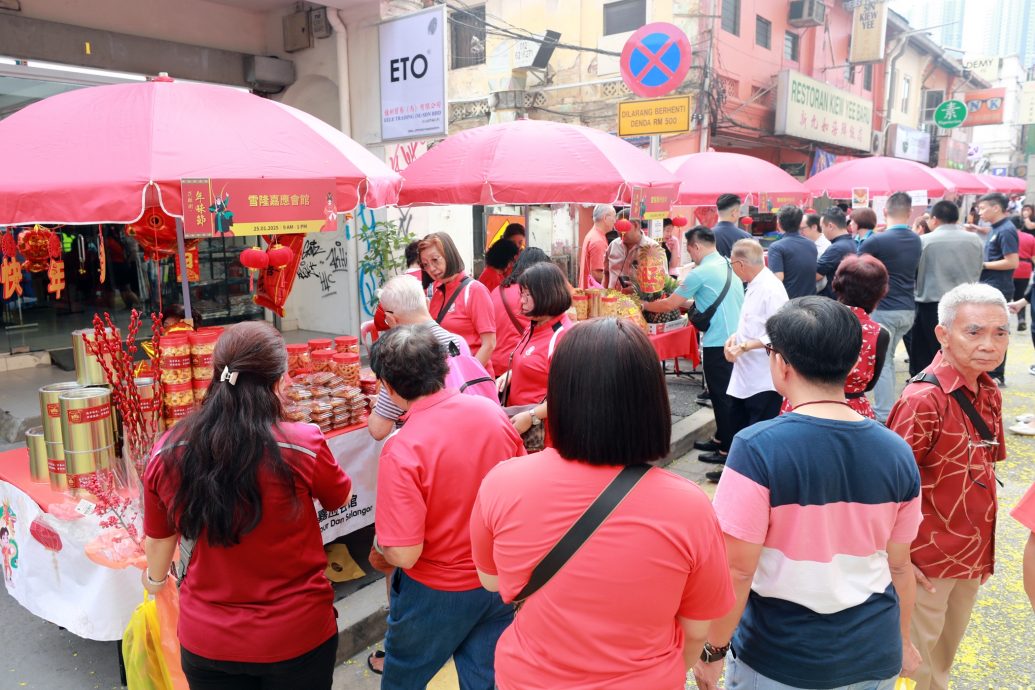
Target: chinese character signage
x=413, y=75
x=1026, y=112
x=652, y=203
x=257, y=207
x=810, y=109
x=984, y=107
x=869, y=23
x=193, y=265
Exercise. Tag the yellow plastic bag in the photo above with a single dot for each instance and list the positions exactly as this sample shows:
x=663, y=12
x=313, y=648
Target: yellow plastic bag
x=905, y=684
x=146, y=665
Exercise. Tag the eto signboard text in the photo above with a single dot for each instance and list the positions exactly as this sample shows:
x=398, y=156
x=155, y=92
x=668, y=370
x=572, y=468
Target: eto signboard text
x=413, y=75
x=658, y=116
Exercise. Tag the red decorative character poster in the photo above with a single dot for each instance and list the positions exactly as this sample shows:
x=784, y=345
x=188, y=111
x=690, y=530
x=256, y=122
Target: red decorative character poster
x=56, y=274
x=257, y=207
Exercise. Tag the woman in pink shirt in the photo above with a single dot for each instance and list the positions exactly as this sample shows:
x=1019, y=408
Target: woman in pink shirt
x=506, y=306
x=631, y=608
x=1022, y=274
x=459, y=304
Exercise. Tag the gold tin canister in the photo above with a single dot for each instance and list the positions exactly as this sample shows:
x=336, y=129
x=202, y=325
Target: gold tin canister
x=86, y=428
x=88, y=370
x=50, y=408
x=37, y=444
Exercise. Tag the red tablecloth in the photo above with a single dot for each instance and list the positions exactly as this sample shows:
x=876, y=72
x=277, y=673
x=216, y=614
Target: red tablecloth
x=681, y=343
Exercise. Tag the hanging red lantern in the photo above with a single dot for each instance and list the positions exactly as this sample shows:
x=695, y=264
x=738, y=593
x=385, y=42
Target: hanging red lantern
x=254, y=258
x=34, y=245
x=623, y=225
x=279, y=255
x=680, y=221
x=275, y=285
x=747, y=220
x=156, y=233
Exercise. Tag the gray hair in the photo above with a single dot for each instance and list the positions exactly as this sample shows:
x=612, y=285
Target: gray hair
x=968, y=293
x=601, y=210
x=404, y=295
x=748, y=250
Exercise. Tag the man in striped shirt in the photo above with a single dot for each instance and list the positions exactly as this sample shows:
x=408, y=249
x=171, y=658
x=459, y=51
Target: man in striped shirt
x=818, y=508
x=405, y=303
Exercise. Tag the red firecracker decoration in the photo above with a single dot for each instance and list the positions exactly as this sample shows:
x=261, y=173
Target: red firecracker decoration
x=102, y=255
x=623, y=226
x=680, y=221
x=8, y=245
x=55, y=246
x=275, y=284
x=34, y=245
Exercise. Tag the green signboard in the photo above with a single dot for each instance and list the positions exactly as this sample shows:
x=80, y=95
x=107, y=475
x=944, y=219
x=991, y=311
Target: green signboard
x=950, y=114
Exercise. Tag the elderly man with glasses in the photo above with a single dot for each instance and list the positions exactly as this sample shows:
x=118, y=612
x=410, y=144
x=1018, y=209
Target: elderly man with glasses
x=951, y=415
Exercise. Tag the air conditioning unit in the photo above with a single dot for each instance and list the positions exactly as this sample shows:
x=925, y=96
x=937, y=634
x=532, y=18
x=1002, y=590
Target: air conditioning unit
x=268, y=74
x=806, y=13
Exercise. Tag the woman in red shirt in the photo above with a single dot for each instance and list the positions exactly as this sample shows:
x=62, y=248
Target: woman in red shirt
x=583, y=629
x=506, y=307
x=545, y=300
x=255, y=606
x=1022, y=274
x=499, y=261
x=459, y=304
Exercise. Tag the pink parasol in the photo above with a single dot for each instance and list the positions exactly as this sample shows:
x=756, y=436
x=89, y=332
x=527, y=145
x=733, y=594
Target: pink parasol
x=102, y=154
x=882, y=175
x=1006, y=185
x=530, y=162
x=966, y=182
x=704, y=176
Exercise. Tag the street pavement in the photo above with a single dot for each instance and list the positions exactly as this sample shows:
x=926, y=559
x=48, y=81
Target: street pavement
x=998, y=651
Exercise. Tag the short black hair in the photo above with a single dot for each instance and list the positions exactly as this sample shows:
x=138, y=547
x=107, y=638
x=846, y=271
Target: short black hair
x=818, y=337
x=899, y=204
x=411, y=360
x=789, y=218
x=946, y=212
x=700, y=234
x=996, y=198
x=549, y=289
x=501, y=254
x=595, y=359
x=513, y=229
x=812, y=220
x=726, y=201
x=835, y=215
x=666, y=222
x=526, y=259
x=412, y=253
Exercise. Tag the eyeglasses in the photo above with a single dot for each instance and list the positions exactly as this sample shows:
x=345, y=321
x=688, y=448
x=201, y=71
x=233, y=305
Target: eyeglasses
x=993, y=104
x=769, y=349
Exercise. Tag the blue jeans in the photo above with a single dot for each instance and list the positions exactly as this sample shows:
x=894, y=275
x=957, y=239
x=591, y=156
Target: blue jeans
x=740, y=676
x=427, y=626
x=898, y=322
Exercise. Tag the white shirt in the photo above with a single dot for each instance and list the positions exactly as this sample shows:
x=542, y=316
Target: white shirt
x=764, y=296
x=821, y=245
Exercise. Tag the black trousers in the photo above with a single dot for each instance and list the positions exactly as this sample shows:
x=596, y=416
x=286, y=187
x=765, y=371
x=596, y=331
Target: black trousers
x=1020, y=286
x=717, y=371
x=924, y=345
x=313, y=670
x=754, y=409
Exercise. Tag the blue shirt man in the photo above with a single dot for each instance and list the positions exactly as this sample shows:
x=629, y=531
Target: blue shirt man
x=793, y=257
x=1001, y=255
x=726, y=231
x=835, y=228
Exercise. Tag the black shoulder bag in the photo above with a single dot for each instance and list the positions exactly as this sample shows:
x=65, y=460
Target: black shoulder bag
x=703, y=319
x=582, y=530
x=449, y=302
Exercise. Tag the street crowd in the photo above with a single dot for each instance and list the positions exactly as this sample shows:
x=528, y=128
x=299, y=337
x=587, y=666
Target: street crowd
x=521, y=523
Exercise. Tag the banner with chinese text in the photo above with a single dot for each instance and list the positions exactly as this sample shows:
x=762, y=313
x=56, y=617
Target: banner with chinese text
x=809, y=109
x=652, y=203
x=257, y=207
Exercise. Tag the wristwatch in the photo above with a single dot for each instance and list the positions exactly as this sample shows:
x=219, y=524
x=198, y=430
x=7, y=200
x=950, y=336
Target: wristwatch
x=535, y=420
x=711, y=654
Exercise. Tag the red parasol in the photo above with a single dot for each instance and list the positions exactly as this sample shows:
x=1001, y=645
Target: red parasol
x=101, y=154
x=703, y=177
x=1006, y=185
x=966, y=182
x=882, y=175
x=530, y=162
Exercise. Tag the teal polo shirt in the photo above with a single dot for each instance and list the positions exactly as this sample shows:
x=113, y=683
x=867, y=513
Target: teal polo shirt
x=703, y=285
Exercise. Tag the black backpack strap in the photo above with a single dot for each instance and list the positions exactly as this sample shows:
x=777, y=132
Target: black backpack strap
x=449, y=302
x=583, y=529
x=965, y=404
x=714, y=306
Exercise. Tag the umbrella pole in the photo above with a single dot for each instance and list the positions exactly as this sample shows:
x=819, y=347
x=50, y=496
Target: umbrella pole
x=181, y=252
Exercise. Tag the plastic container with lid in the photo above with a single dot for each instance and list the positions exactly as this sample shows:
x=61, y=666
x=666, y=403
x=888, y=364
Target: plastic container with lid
x=347, y=343
x=199, y=389
x=178, y=394
x=298, y=361
x=175, y=358
x=581, y=304
x=609, y=306
x=202, y=345
x=346, y=365
x=322, y=359
x=320, y=344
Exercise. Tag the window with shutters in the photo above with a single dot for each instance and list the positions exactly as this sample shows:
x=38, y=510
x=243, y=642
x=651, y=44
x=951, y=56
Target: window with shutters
x=467, y=37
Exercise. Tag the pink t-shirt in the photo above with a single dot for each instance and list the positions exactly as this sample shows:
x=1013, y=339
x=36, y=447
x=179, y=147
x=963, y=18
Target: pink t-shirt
x=471, y=313
x=507, y=336
x=427, y=479
x=1024, y=513
x=531, y=365
x=608, y=618
x=1025, y=250
x=593, y=257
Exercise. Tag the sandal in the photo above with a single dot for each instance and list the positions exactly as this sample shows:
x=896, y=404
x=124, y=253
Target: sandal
x=379, y=654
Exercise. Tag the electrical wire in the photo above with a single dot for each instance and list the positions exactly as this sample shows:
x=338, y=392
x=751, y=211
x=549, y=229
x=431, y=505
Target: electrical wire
x=519, y=34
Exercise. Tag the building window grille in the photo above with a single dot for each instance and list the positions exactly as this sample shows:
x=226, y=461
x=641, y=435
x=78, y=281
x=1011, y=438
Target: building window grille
x=763, y=32
x=731, y=16
x=467, y=37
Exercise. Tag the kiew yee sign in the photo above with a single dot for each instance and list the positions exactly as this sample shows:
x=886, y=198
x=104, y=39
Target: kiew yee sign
x=237, y=208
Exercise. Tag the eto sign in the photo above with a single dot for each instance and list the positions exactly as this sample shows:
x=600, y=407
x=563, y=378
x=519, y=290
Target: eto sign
x=401, y=69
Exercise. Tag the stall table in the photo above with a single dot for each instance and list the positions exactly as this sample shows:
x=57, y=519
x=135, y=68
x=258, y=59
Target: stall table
x=679, y=344
x=59, y=583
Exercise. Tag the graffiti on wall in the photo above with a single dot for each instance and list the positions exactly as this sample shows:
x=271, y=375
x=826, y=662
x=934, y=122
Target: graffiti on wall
x=323, y=262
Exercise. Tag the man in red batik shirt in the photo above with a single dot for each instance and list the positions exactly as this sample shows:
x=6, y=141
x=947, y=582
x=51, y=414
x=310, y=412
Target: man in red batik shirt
x=953, y=553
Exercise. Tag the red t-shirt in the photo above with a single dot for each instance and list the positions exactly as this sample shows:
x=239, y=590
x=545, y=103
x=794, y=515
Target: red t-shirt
x=427, y=480
x=1025, y=251
x=607, y=619
x=507, y=336
x=593, y=257
x=1024, y=513
x=491, y=278
x=530, y=367
x=470, y=314
x=265, y=599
